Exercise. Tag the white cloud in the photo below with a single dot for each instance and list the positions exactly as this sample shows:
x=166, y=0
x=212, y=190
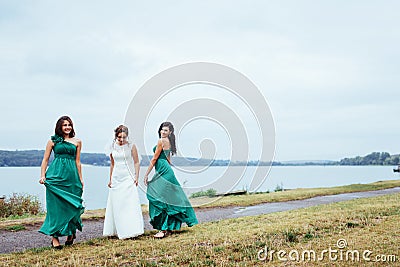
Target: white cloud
x=327, y=69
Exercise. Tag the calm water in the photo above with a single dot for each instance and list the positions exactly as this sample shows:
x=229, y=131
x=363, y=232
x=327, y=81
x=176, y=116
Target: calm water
x=25, y=179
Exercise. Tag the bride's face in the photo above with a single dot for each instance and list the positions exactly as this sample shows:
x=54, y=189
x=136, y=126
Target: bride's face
x=121, y=138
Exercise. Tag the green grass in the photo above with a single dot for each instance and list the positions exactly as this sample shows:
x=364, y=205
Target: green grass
x=226, y=201
x=208, y=193
x=366, y=224
x=21, y=217
x=15, y=228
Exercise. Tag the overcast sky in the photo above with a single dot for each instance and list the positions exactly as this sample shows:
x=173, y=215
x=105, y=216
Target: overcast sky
x=329, y=70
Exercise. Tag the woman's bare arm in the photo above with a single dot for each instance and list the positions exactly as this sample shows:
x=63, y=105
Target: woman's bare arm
x=45, y=161
x=78, y=160
x=136, y=163
x=153, y=161
x=111, y=170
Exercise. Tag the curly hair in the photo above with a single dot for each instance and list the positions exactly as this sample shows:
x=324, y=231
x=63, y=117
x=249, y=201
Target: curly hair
x=121, y=129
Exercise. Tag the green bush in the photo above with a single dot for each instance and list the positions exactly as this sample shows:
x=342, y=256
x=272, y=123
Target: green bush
x=208, y=193
x=18, y=205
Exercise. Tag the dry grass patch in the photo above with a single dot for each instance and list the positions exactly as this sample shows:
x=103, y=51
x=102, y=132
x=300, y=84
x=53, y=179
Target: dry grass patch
x=371, y=223
x=288, y=195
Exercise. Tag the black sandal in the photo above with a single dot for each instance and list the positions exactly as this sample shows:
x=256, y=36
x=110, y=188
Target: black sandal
x=71, y=241
x=55, y=247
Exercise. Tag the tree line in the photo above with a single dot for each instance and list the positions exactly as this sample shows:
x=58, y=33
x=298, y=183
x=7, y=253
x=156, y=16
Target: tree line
x=34, y=158
x=375, y=158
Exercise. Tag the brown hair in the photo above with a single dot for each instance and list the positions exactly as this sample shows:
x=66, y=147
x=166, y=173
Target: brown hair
x=58, y=130
x=121, y=129
x=171, y=137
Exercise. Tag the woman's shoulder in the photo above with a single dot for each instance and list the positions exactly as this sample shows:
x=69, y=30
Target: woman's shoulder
x=132, y=146
x=75, y=141
x=160, y=142
x=50, y=142
x=165, y=142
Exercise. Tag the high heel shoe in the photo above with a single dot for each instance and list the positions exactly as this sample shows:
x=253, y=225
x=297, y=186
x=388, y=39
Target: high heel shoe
x=162, y=234
x=55, y=247
x=71, y=241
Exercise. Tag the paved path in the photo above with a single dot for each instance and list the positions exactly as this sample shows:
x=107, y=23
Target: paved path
x=31, y=238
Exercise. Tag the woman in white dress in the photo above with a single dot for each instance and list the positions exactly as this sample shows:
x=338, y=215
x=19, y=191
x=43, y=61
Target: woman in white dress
x=123, y=213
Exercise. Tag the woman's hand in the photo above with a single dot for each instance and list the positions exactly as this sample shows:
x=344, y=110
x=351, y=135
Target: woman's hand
x=136, y=181
x=42, y=179
x=146, y=180
x=109, y=184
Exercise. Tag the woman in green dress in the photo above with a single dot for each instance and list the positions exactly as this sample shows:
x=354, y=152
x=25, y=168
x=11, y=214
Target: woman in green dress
x=64, y=184
x=168, y=205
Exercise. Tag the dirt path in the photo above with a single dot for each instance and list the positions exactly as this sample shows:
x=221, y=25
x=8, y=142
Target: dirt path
x=31, y=238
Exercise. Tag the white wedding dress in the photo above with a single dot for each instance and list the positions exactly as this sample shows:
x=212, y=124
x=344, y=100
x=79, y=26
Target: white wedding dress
x=123, y=213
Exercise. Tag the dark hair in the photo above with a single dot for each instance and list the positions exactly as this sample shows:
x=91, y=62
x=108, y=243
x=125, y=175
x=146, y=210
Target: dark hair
x=121, y=129
x=58, y=130
x=171, y=136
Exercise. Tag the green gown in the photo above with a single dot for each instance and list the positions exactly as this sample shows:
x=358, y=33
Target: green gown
x=168, y=205
x=63, y=192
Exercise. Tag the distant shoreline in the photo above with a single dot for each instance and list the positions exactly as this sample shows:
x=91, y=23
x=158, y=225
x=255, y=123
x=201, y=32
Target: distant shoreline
x=33, y=158
x=233, y=165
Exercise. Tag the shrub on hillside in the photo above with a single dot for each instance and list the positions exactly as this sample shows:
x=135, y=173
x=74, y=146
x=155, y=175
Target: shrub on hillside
x=18, y=205
x=208, y=193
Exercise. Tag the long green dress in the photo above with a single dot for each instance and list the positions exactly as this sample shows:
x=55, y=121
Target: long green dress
x=168, y=205
x=63, y=192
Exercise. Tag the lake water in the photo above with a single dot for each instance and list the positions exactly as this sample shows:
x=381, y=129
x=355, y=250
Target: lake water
x=25, y=179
